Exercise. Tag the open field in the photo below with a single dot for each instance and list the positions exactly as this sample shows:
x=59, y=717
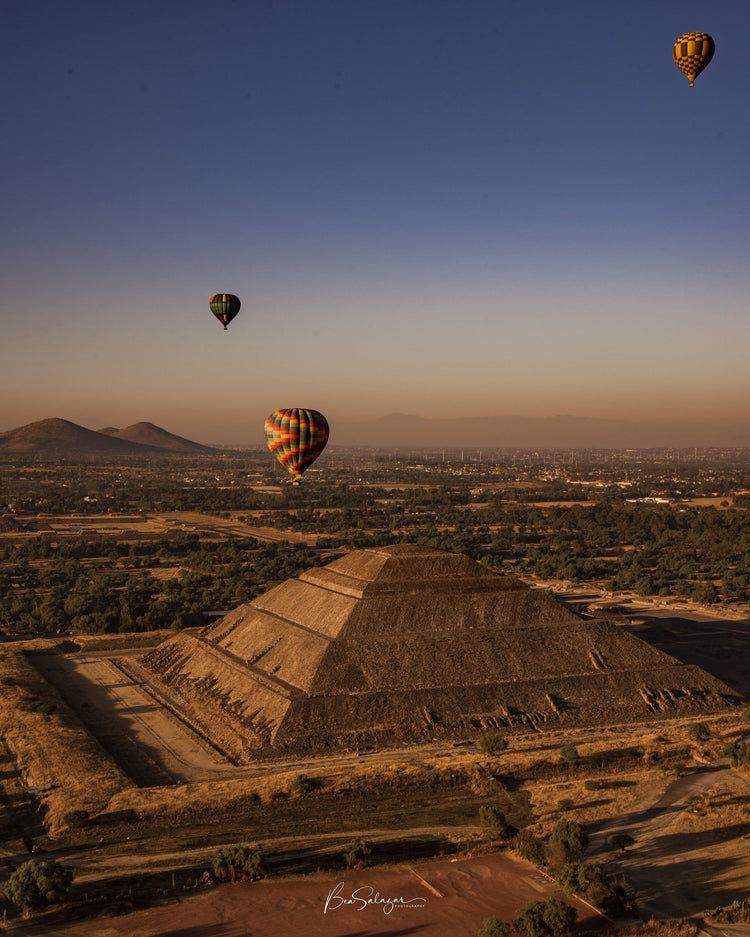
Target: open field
x=142, y=526
x=444, y=899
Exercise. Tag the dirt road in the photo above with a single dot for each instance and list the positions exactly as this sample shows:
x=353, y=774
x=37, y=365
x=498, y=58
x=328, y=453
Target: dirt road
x=678, y=871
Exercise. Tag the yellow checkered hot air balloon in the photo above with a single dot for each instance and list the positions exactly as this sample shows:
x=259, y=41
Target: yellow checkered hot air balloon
x=692, y=52
x=296, y=437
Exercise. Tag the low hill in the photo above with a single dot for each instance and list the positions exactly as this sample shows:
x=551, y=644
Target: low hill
x=60, y=437
x=147, y=434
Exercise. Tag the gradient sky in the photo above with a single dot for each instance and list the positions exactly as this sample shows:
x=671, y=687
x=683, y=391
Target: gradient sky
x=439, y=207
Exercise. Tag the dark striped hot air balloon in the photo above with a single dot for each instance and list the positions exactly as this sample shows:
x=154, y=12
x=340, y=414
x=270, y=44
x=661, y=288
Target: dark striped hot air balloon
x=692, y=52
x=296, y=437
x=225, y=307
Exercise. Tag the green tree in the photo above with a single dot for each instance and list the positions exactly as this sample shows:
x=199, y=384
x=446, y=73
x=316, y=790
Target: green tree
x=705, y=593
x=620, y=841
x=576, y=877
x=35, y=884
x=529, y=847
x=611, y=894
x=615, y=896
x=549, y=918
x=493, y=823
x=568, y=841
x=238, y=864
x=494, y=927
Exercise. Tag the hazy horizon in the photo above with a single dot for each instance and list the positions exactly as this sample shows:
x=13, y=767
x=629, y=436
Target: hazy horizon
x=400, y=430
x=441, y=208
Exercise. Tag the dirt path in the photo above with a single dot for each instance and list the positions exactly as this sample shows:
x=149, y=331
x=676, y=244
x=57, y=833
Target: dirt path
x=677, y=872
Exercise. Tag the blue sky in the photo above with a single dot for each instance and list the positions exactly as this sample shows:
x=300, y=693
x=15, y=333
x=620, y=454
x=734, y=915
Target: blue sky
x=441, y=208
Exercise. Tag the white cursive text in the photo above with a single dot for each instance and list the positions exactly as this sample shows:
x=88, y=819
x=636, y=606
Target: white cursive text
x=365, y=897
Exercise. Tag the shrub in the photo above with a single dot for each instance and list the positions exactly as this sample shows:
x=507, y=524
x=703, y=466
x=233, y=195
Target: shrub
x=569, y=754
x=738, y=753
x=357, y=854
x=700, y=731
x=35, y=884
x=566, y=803
x=301, y=784
x=238, y=864
x=738, y=912
x=593, y=785
x=75, y=818
x=492, y=743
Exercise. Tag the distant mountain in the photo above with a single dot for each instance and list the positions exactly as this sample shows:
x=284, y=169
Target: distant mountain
x=401, y=430
x=61, y=437
x=147, y=434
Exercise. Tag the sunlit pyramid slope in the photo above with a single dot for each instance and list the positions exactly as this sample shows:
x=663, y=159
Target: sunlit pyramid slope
x=405, y=643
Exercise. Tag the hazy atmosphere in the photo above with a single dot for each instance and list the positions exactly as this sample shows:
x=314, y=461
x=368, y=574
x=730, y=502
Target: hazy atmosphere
x=438, y=208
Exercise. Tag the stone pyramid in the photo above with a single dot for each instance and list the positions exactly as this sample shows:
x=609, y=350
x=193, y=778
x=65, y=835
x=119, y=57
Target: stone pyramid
x=403, y=644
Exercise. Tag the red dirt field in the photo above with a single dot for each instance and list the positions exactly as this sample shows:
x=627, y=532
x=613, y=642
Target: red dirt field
x=439, y=899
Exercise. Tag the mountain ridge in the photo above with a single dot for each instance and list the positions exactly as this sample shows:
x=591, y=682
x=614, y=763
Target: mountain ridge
x=61, y=436
x=402, y=430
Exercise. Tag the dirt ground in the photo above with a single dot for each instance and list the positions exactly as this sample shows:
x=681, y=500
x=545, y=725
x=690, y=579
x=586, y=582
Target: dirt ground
x=692, y=844
x=115, y=708
x=440, y=899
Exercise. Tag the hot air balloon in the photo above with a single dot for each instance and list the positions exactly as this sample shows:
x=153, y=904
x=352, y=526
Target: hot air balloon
x=296, y=437
x=692, y=52
x=225, y=307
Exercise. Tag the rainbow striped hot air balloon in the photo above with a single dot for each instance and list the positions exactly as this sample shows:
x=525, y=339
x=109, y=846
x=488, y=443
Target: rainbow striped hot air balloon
x=225, y=307
x=296, y=437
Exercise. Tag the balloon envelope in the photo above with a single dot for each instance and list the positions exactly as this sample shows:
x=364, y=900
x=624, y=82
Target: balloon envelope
x=296, y=437
x=225, y=307
x=692, y=52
